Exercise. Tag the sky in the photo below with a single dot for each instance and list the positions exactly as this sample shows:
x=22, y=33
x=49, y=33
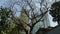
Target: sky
x=6, y=3
x=16, y=7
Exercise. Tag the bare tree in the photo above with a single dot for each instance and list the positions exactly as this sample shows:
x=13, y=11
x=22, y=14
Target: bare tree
x=35, y=17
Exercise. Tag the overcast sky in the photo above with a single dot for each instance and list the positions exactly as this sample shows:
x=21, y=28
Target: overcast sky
x=5, y=3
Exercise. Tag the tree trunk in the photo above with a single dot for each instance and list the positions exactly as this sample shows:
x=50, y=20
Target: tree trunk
x=26, y=32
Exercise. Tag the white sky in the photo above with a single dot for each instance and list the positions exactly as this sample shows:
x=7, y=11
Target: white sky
x=18, y=8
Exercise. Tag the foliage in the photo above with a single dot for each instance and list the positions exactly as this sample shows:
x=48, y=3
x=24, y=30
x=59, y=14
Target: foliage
x=5, y=18
x=55, y=11
x=7, y=24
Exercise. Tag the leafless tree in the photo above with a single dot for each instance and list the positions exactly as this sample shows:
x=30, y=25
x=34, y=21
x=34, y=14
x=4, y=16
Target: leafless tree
x=34, y=16
x=29, y=27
